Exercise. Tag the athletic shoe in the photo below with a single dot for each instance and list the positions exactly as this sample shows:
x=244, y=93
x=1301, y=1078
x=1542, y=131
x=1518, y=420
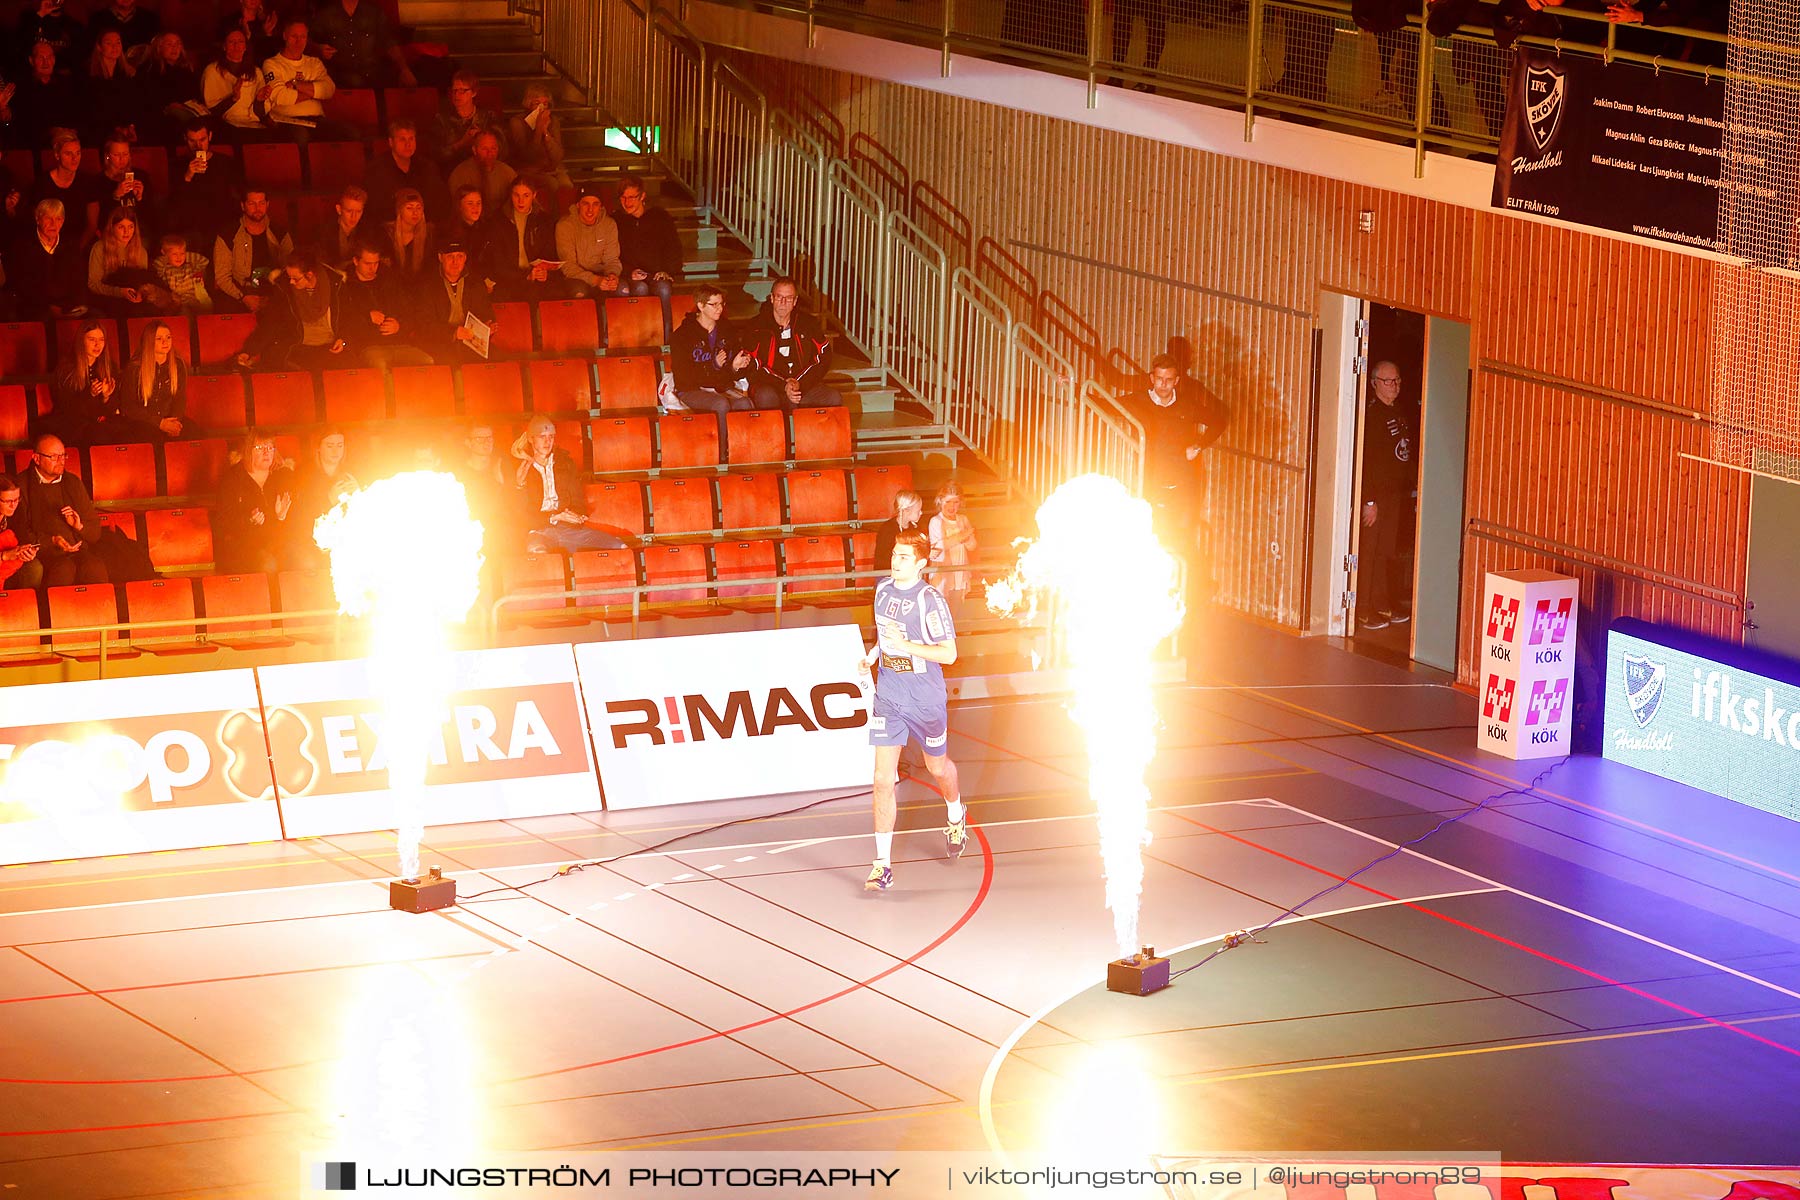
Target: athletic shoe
x=881, y=878
x=1374, y=622
x=956, y=837
x=1400, y=618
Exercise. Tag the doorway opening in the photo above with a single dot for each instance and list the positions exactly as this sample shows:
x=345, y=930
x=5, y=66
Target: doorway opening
x=1392, y=447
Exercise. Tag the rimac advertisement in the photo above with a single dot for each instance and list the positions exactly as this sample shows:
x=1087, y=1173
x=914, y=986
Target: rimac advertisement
x=1614, y=146
x=1702, y=720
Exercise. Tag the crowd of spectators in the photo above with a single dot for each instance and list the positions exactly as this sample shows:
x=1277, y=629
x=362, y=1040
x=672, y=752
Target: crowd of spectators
x=450, y=217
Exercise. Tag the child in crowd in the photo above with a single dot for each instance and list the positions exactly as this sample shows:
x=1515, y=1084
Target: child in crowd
x=184, y=274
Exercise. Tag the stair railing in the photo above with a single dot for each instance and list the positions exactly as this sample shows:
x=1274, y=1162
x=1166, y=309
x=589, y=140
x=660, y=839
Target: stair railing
x=926, y=322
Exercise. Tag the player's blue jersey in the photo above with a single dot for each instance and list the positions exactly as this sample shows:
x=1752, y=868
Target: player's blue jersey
x=918, y=614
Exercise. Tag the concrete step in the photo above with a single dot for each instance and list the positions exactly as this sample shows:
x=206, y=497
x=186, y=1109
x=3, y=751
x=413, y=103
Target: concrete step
x=474, y=37
x=453, y=12
x=499, y=62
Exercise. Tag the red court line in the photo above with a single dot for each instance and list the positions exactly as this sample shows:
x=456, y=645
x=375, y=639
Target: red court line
x=981, y=895
x=279, y=1112
x=1505, y=941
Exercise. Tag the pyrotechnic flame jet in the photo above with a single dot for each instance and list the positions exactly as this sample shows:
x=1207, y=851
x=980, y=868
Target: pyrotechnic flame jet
x=1116, y=597
x=406, y=554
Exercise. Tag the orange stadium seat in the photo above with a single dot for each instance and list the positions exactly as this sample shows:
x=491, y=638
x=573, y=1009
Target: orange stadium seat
x=354, y=107
x=628, y=383
x=21, y=642
x=492, y=389
x=179, y=538
x=750, y=501
x=311, y=211
x=122, y=472
x=356, y=395
x=568, y=326
x=681, y=506
x=535, y=575
x=335, y=165
x=418, y=103
x=283, y=398
x=305, y=591
x=181, y=327
x=665, y=566
x=512, y=328
x=218, y=336
x=240, y=596
x=818, y=561
x=604, y=569
x=817, y=498
x=424, y=393
x=862, y=555
x=822, y=433
x=217, y=401
x=164, y=600
x=622, y=444
x=193, y=468
x=758, y=436
x=687, y=440
x=21, y=167
x=680, y=305
x=745, y=560
x=17, y=402
x=876, y=488
x=272, y=165
x=152, y=162
x=559, y=385
x=634, y=323
x=23, y=350
x=74, y=605
x=616, y=507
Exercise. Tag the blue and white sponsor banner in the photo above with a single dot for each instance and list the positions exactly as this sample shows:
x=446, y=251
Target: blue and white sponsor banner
x=762, y=713
x=1712, y=716
x=1528, y=663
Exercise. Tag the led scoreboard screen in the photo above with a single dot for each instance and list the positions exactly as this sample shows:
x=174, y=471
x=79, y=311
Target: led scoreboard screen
x=1716, y=717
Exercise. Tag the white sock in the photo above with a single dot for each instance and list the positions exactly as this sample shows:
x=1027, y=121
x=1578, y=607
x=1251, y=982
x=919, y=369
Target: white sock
x=884, y=846
x=956, y=810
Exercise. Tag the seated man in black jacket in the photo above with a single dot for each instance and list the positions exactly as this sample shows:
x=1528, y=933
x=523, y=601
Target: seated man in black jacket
x=792, y=354
x=378, y=321
x=57, y=515
x=441, y=306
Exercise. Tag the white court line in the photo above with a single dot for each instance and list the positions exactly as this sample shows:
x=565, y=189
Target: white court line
x=985, y=1102
x=1573, y=912
x=491, y=872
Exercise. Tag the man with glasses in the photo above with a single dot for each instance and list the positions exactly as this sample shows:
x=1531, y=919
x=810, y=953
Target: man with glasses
x=1390, y=474
x=707, y=367
x=19, y=567
x=57, y=515
x=649, y=246
x=462, y=119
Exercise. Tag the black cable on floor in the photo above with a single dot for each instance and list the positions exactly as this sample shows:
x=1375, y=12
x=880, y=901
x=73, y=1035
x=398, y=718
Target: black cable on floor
x=572, y=868
x=1232, y=941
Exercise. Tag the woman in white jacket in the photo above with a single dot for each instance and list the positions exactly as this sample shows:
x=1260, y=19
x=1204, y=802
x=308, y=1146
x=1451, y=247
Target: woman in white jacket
x=230, y=83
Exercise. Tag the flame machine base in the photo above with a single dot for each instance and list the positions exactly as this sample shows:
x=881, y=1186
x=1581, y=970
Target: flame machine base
x=1138, y=974
x=429, y=894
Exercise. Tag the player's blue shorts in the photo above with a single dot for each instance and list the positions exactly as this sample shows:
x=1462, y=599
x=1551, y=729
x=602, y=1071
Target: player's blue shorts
x=893, y=724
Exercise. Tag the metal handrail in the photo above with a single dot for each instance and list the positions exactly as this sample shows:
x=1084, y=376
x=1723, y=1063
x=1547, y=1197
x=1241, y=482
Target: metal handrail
x=1251, y=94
x=130, y=628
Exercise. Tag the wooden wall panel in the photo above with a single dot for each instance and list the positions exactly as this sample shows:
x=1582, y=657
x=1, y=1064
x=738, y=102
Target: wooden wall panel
x=1579, y=341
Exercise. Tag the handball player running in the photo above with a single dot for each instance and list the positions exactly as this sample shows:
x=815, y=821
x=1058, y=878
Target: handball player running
x=914, y=642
